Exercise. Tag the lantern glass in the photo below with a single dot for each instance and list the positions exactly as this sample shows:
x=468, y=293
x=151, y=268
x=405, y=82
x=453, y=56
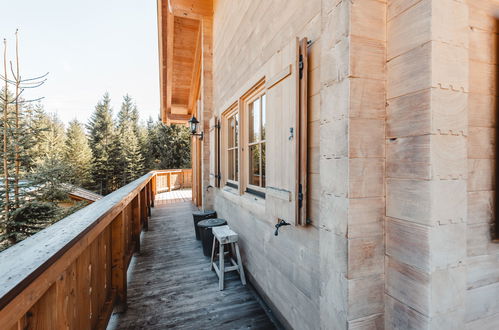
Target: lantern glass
x=193, y=122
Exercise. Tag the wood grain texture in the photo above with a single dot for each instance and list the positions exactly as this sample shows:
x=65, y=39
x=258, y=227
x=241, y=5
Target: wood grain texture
x=171, y=284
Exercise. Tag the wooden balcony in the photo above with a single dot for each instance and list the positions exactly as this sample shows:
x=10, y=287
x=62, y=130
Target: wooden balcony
x=73, y=274
x=171, y=285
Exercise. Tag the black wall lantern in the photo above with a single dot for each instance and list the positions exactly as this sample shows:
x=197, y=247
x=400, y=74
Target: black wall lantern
x=193, y=122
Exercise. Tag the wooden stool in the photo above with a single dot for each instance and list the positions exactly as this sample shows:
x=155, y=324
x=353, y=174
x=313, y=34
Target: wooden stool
x=224, y=235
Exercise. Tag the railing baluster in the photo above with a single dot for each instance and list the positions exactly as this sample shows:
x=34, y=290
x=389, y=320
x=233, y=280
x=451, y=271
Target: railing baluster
x=143, y=208
x=169, y=181
x=119, y=281
x=137, y=225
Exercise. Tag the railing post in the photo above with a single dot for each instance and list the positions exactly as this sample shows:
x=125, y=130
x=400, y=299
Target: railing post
x=119, y=282
x=143, y=209
x=148, y=198
x=168, y=180
x=153, y=189
x=137, y=224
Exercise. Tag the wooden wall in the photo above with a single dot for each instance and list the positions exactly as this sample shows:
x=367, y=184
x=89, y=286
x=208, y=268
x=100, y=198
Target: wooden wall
x=402, y=175
x=352, y=163
x=247, y=34
x=482, y=255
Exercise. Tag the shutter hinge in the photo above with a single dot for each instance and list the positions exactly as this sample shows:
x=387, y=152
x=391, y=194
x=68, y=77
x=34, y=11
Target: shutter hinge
x=300, y=65
x=300, y=196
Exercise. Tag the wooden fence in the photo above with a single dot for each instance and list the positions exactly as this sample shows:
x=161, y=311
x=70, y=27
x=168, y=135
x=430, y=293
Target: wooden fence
x=168, y=180
x=72, y=274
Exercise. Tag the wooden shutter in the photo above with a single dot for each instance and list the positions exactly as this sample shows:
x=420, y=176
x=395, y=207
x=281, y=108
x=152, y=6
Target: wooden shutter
x=286, y=137
x=212, y=152
x=218, y=172
x=303, y=133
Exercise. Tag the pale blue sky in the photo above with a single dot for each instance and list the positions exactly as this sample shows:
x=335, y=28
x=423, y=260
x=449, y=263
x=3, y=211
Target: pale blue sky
x=89, y=47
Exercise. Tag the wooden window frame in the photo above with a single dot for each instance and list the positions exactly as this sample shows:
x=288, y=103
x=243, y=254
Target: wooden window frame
x=256, y=92
x=232, y=111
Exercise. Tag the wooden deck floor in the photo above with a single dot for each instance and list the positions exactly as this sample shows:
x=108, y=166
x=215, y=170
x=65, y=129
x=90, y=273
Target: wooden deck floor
x=174, y=196
x=170, y=284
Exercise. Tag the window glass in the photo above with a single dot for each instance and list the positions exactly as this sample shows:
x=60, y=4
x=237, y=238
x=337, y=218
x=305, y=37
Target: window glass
x=231, y=163
x=232, y=147
x=254, y=165
x=236, y=129
x=236, y=166
x=254, y=121
x=232, y=131
x=264, y=119
x=256, y=141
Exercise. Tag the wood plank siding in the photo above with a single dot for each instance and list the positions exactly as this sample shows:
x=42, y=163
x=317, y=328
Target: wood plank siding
x=171, y=285
x=400, y=157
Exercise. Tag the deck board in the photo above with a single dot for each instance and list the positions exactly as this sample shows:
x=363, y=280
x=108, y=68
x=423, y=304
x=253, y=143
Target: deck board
x=170, y=284
x=174, y=196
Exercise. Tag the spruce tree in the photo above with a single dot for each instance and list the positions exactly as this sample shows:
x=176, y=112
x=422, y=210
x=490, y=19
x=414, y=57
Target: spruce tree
x=168, y=146
x=78, y=154
x=102, y=133
x=48, y=137
x=145, y=133
x=127, y=149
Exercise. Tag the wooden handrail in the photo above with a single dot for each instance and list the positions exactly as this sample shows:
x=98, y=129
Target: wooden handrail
x=73, y=273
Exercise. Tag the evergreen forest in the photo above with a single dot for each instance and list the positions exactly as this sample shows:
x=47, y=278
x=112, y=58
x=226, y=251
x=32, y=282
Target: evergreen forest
x=43, y=158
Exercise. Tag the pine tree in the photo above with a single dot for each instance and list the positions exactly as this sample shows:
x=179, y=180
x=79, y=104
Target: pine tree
x=51, y=180
x=48, y=136
x=7, y=170
x=168, y=146
x=34, y=174
x=102, y=133
x=78, y=154
x=127, y=152
x=145, y=133
x=16, y=144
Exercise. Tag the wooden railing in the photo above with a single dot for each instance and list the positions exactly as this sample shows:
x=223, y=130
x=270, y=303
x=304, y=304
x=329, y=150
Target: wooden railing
x=168, y=180
x=72, y=274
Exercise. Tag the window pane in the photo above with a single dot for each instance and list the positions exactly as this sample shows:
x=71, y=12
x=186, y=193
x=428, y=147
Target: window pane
x=236, y=165
x=231, y=162
x=236, y=129
x=264, y=117
x=263, y=164
x=232, y=129
x=254, y=121
x=254, y=165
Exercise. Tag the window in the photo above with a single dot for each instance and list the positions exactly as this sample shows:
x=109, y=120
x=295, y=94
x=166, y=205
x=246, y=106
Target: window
x=233, y=148
x=256, y=141
x=265, y=153
x=230, y=131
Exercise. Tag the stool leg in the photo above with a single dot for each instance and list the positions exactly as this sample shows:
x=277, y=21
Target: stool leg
x=233, y=250
x=213, y=252
x=222, y=267
x=240, y=264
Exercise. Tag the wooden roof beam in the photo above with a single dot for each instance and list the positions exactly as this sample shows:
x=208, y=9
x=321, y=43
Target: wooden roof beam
x=192, y=8
x=179, y=118
x=165, y=33
x=196, y=75
x=169, y=60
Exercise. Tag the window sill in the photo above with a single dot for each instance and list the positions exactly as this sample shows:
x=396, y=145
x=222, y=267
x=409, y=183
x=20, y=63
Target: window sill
x=232, y=185
x=232, y=190
x=255, y=192
x=251, y=203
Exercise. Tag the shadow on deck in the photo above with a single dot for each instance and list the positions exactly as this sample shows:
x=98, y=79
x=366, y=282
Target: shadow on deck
x=170, y=284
